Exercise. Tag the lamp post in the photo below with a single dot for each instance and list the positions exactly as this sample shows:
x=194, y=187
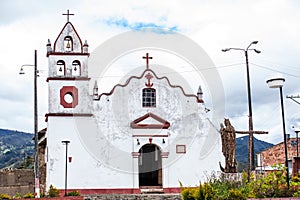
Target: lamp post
x=250, y=142
x=297, y=130
x=66, y=142
x=36, y=155
x=277, y=82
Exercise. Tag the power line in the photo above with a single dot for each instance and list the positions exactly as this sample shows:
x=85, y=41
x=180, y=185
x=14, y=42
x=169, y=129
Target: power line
x=274, y=70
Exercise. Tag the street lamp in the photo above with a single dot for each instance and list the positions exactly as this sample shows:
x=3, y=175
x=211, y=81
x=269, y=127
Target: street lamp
x=297, y=130
x=36, y=156
x=250, y=142
x=66, y=142
x=277, y=82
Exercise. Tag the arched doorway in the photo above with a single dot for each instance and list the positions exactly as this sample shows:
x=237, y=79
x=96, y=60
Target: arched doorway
x=150, y=170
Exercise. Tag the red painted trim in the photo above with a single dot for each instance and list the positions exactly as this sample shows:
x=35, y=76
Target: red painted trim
x=67, y=54
x=150, y=126
x=61, y=33
x=164, y=124
x=164, y=154
x=174, y=190
x=73, y=91
x=150, y=135
x=104, y=191
x=135, y=154
x=159, y=78
x=67, y=115
x=61, y=197
x=68, y=79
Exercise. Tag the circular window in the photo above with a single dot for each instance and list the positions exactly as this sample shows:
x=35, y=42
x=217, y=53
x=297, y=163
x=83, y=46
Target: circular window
x=68, y=97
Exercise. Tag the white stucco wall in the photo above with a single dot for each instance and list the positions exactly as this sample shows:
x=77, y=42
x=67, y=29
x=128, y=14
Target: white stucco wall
x=102, y=145
x=84, y=172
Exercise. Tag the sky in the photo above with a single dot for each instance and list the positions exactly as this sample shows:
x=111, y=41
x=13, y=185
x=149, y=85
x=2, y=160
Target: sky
x=213, y=25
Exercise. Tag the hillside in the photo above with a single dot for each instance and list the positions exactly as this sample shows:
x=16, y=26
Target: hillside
x=242, y=150
x=15, y=148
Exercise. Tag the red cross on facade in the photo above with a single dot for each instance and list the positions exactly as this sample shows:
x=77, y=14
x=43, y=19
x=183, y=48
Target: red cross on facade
x=147, y=60
x=68, y=15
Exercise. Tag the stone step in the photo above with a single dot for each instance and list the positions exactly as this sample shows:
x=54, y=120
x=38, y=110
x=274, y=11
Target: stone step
x=152, y=191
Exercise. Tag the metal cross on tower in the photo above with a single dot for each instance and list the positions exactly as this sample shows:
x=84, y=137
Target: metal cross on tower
x=68, y=15
x=147, y=60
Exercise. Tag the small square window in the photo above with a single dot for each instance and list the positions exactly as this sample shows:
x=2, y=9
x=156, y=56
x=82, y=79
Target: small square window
x=180, y=149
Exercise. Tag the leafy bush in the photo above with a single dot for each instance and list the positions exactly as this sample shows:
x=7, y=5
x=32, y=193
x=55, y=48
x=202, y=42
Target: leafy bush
x=234, y=186
x=53, y=191
x=202, y=192
x=17, y=196
x=5, y=196
x=74, y=193
x=28, y=195
x=188, y=193
x=234, y=194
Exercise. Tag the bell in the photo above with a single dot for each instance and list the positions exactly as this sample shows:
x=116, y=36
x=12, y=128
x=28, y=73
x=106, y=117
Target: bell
x=75, y=68
x=60, y=69
x=68, y=45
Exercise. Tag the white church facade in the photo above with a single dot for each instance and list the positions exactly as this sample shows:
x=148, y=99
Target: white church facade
x=143, y=134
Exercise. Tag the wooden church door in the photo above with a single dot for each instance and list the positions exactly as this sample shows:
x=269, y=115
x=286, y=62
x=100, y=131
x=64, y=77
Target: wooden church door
x=150, y=166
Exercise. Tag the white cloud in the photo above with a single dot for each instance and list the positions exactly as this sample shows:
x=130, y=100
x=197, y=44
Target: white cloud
x=212, y=24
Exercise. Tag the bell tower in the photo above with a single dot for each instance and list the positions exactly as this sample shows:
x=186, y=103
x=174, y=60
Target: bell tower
x=68, y=74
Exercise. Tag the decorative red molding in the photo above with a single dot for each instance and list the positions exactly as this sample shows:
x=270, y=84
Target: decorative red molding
x=73, y=91
x=105, y=191
x=173, y=190
x=176, y=190
x=135, y=154
x=149, y=135
x=67, y=115
x=68, y=79
x=164, y=124
x=164, y=154
x=67, y=53
x=139, y=77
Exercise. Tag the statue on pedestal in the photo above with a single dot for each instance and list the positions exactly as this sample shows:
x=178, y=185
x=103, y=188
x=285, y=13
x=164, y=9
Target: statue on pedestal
x=228, y=137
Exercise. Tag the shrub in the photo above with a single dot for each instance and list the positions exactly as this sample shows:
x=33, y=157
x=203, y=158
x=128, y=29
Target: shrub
x=234, y=194
x=17, y=196
x=202, y=192
x=5, y=196
x=188, y=193
x=74, y=193
x=28, y=195
x=53, y=191
x=233, y=186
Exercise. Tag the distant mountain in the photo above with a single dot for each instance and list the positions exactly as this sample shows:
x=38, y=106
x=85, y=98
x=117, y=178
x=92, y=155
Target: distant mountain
x=242, y=150
x=16, y=149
